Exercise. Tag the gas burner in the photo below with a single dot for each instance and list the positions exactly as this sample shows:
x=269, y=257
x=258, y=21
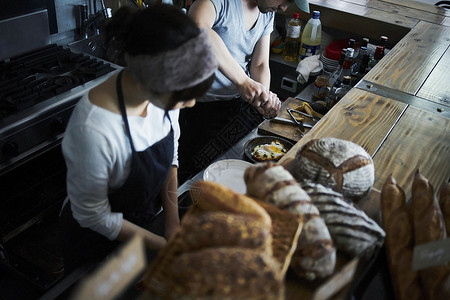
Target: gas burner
x=34, y=77
x=38, y=91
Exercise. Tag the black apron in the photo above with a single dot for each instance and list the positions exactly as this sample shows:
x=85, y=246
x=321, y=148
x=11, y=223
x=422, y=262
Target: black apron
x=138, y=198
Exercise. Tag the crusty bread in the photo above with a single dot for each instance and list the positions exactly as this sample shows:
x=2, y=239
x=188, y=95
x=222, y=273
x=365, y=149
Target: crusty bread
x=225, y=273
x=338, y=164
x=353, y=232
x=211, y=196
x=429, y=226
x=222, y=229
x=398, y=225
x=223, y=250
x=315, y=256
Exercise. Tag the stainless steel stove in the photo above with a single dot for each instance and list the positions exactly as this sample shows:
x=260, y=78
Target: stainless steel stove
x=38, y=92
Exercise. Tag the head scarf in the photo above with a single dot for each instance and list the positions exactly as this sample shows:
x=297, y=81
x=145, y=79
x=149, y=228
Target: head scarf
x=183, y=67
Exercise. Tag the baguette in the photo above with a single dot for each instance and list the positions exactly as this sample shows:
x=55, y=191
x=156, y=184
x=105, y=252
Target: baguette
x=210, y=196
x=444, y=204
x=429, y=226
x=398, y=225
x=315, y=256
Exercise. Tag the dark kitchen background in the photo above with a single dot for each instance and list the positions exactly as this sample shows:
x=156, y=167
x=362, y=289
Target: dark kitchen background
x=46, y=65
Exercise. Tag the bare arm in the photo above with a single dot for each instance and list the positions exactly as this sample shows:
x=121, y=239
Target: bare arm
x=151, y=240
x=169, y=198
x=259, y=67
x=203, y=13
x=260, y=71
x=172, y=221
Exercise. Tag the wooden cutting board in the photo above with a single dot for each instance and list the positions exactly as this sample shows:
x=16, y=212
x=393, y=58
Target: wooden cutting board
x=287, y=131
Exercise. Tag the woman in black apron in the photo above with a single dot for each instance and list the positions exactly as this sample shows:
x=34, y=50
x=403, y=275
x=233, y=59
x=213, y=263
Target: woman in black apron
x=119, y=145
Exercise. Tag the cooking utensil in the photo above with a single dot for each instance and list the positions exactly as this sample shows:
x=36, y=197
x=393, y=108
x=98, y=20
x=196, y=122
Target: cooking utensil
x=313, y=118
x=299, y=123
x=291, y=122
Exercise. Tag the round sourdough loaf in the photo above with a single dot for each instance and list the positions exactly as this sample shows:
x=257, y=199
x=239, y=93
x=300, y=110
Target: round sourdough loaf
x=339, y=164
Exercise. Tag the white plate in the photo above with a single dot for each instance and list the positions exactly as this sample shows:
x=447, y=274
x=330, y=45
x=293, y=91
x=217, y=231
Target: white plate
x=229, y=172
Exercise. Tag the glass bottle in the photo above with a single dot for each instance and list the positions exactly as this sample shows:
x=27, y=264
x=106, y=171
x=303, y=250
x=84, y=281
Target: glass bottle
x=383, y=43
x=351, y=43
x=343, y=89
x=362, y=69
x=358, y=59
x=292, y=41
x=346, y=69
x=311, y=37
x=365, y=42
x=377, y=56
x=335, y=75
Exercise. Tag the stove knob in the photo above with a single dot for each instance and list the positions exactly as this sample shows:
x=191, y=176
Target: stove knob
x=10, y=149
x=58, y=125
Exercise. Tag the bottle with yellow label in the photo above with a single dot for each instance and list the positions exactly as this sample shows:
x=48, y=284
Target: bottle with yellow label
x=292, y=41
x=311, y=37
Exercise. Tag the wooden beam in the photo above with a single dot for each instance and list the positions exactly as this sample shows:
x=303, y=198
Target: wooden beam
x=407, y=66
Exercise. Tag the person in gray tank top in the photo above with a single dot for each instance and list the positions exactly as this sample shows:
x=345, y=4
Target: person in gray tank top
x=240, y=96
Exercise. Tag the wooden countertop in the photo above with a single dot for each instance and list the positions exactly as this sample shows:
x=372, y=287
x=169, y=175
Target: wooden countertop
x=400, y=112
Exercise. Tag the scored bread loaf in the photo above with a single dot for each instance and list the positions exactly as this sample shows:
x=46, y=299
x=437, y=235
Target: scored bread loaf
x=353, y=232
x=226, y=273
x=398, y=225
x=219, y=229
x=339, y=164
x=444, y=204
x=315, y=256
x=429, y=226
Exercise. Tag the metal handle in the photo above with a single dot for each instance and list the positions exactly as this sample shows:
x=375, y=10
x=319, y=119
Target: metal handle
x=299, y=123
x=315, y=119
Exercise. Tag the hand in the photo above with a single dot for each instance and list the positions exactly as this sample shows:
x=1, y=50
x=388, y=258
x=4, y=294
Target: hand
x=272, y=106
x=269, y=105
x=251, y=91
x=265, y=102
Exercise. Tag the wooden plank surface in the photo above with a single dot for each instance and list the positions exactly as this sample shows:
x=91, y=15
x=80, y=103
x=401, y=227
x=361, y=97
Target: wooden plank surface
x=420, y=140
x=424, y=7
x=410, y=62
x=437, y=86
x=426, y=12
x=361, y=117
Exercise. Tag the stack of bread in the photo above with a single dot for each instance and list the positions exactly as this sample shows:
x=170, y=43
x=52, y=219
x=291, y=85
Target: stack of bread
x=408, y=225
x=315, y=256
x=228, y=247
x=319, y=185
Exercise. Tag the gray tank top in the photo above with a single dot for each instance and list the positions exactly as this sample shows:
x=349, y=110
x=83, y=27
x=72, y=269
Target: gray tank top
x=230, y=26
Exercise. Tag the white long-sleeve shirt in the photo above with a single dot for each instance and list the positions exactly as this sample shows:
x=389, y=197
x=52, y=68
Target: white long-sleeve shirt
x=97, y=152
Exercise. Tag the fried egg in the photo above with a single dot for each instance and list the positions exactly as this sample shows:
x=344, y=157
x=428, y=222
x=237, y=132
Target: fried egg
x=273, y=151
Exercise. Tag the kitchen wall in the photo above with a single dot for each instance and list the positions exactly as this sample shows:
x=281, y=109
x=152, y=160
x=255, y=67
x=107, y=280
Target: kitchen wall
x=66, y=15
